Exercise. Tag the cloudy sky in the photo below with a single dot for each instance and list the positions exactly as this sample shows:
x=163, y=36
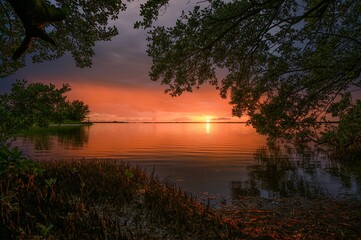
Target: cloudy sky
x=117, y=86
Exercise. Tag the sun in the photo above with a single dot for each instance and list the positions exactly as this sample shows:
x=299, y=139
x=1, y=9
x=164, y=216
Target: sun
x=208, y=119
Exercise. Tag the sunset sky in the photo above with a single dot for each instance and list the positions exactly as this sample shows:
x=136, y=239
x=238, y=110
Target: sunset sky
x=117, y=87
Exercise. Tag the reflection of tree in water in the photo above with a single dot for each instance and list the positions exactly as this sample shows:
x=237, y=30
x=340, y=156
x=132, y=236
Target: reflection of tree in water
x=289, y=172
x=348, y=171
x=71, y=137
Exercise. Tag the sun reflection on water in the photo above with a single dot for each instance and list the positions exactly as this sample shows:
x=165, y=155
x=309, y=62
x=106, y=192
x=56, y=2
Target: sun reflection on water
x=208, y=127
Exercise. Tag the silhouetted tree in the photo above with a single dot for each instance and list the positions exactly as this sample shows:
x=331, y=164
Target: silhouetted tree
x=86, y=22
x=76, y=111
x=284, y=62
x=36, y=104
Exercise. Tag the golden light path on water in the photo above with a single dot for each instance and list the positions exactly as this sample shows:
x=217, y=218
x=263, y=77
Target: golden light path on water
x=218, y=159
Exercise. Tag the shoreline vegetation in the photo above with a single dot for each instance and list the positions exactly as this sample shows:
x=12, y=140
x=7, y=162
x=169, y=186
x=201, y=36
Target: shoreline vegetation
x=70, y=123
x=110, y=199
x=101, y=199
x=167, y=122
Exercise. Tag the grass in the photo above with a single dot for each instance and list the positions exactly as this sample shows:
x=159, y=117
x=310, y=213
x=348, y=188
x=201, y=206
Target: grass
x=109, y=199
x=102, y=199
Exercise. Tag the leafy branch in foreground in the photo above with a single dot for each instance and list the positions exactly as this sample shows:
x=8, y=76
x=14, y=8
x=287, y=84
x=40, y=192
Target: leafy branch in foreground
x=286, y=62
x=86, y=22
x=347, y=134
x=35, y=15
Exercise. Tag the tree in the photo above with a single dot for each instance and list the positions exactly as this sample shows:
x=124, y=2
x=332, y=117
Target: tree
x=76, y=111
x=286, y=62
x=348, y=132
x=86, y=22
x=28, y=105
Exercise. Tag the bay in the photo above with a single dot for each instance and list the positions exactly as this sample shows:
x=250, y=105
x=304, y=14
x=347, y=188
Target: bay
x=220, y=161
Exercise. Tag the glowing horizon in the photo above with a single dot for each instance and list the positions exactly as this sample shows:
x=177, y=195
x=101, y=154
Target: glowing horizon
x=132, y=104
x=117, y=86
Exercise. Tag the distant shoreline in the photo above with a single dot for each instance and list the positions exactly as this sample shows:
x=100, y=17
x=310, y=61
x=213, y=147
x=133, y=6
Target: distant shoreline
x=226, y=122
x=163, y=122
x=70, y=124
x=148, y=122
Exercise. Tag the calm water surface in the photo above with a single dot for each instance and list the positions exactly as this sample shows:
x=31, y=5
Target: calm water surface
x=218, y=160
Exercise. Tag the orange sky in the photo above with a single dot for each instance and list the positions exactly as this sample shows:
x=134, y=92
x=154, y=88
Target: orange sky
x=117, y=86
x=119, y=103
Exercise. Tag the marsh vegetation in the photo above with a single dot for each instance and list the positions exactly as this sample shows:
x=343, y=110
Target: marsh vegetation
x=107, y=199
x=100, y=199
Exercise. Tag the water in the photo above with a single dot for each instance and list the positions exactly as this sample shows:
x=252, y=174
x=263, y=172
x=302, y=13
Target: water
x=217, y=160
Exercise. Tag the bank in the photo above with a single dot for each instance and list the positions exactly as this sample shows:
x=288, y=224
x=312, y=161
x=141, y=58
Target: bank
x=109, y=199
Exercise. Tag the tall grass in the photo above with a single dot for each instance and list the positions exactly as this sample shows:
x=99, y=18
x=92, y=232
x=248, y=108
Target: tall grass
x=101, y=199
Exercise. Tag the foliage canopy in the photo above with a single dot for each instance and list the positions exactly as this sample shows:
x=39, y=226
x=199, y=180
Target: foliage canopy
x=285, y=63
x=86, y=22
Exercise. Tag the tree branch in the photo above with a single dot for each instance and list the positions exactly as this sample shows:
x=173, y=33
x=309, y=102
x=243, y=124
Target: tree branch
x=342, y=36
x=7, y=15
x=321, y=6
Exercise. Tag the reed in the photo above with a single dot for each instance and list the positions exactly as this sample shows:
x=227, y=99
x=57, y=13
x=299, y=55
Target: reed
x=102, y=199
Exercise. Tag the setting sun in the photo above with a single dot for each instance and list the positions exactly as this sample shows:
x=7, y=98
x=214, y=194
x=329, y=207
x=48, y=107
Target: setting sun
x=208, y=119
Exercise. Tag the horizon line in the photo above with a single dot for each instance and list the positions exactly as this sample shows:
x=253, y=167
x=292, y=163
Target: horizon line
x=166, y=122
